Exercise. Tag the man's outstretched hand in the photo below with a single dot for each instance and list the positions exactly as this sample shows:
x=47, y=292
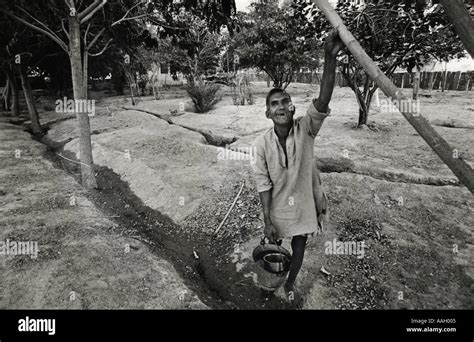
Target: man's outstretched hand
x=333, y=44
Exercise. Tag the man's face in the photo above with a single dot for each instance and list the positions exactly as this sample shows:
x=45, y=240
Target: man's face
x=280, y=109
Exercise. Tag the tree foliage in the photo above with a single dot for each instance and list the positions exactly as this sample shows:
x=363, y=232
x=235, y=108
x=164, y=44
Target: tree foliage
x=271, y=40
x=395, y=34
x=194, y=50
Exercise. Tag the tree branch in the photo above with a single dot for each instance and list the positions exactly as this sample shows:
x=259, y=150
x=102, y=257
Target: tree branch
x=53, y=36
x=64, y=28
x=101, y=51
x=87, y=10
x=84, y=18
x=86, y=33
x=126, y=13
x=156, y=22
x=91, y=44
x=32, y=17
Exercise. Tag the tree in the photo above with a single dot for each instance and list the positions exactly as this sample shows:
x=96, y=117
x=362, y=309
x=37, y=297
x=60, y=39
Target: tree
x=77, y=48
x=21, y=48
x=7, y=40
x=150, y=60
x=396, y=34
x=11, y=95
x=83, y=18
x=28, y=93
x=271, y=39
x=460, y=168
x=193, y=49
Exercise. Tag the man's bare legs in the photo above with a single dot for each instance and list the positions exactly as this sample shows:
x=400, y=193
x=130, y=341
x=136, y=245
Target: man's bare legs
x=298, y=246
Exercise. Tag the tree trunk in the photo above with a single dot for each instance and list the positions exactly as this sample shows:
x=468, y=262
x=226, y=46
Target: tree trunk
x=431, y=83
x=363, y=116
x=15, y=103
x=457, y=79
x=416, y=84
x=85, y=70
x=130, y=85
x=7, y=94
x=365, y=100
x=30, y=103
x=155, y=96
x=15, y=99
x=85, y=147
x=444, y=78
x=154, y=82
x=363, y=113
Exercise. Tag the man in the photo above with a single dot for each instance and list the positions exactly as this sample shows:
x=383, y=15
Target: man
x=287, y=179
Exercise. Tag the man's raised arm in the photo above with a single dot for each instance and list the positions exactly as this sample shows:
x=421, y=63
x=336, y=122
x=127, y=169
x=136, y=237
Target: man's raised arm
x=318, y=111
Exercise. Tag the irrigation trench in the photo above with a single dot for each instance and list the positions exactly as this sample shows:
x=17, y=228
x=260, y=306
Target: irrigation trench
x=212, y=276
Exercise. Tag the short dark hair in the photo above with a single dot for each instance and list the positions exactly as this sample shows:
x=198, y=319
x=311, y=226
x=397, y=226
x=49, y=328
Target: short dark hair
x=275, y=91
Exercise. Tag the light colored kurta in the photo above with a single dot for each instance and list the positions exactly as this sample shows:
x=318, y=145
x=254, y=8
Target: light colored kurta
x=294, y=188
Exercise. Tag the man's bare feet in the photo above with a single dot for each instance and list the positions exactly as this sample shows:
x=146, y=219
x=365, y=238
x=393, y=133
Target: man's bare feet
x=289, y=291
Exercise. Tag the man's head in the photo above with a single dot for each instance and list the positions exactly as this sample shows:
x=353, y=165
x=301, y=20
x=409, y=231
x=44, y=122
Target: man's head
x=280, y=109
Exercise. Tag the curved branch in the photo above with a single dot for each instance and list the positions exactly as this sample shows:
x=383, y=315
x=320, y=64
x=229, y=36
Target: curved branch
x=53, y=36
x=101, y=51
x=155, y=21
x=86, y=33
x=64, y=29
x=91, y=44
x=124, y=18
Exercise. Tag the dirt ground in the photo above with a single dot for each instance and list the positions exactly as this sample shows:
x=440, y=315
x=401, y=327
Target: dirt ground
x=386, y=188
x=84, y=259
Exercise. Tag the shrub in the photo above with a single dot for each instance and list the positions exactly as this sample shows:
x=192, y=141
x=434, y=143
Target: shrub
x=204, y=95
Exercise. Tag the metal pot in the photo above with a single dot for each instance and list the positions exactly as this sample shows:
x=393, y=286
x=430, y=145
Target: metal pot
x=268, y=279
x=276, y=262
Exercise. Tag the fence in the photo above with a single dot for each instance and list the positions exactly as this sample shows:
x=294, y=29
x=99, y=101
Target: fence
x=456, y=80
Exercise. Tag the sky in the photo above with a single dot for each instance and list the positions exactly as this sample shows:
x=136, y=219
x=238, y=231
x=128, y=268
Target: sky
x=242, y=5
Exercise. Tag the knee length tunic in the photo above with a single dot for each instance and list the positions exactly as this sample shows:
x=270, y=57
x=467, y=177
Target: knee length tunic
x=293, y=208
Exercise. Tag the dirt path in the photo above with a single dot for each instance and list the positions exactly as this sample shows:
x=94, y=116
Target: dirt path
x=84, y=258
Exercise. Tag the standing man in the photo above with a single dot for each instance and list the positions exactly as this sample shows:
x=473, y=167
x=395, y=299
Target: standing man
x=287, y=179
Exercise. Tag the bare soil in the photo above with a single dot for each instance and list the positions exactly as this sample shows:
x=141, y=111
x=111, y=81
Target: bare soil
x=167, y=184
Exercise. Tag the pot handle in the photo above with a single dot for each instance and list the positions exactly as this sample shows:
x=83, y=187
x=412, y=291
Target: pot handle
x=278, y=242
